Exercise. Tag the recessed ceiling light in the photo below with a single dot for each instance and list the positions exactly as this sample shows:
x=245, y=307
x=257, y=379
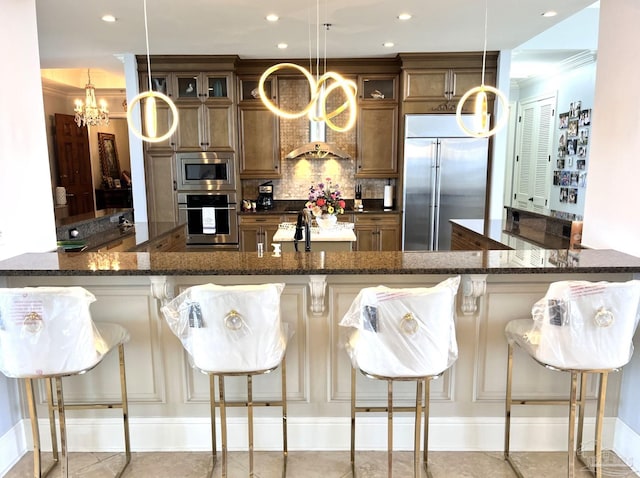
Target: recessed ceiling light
x=404, y=16
x=283, y=46
x=549, y=13
x=108, y=18
x=272, y=17
x=388, y=44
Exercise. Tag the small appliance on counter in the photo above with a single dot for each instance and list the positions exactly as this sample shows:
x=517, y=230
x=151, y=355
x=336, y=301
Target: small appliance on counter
x=265, y=195
x=357, y=203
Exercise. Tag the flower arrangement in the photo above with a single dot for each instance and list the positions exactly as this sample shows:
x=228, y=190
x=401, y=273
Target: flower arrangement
x=325, y=198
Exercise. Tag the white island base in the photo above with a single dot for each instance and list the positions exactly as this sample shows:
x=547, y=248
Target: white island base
x=339, y=238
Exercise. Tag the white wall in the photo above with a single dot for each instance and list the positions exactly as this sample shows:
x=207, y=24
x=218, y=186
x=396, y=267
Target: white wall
x=612, y=216
x=26, y=216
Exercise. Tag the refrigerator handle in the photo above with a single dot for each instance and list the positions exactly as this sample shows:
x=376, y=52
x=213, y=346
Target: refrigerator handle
x=433, y=203
x=436, y=199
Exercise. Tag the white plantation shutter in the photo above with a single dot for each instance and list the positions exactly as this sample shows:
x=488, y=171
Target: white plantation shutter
x=534, y=150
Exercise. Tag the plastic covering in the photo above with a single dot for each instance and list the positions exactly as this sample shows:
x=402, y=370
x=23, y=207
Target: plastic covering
x=403, y=332
x=49, y=331
x=228, y=329
x=581, y=325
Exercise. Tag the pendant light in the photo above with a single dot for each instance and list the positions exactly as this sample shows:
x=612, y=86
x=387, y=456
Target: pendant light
x=319, y=91
x=149, y=107
x=91, y=113
x=481, y=113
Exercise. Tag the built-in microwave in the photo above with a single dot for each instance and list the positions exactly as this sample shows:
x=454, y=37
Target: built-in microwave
x=205, y=171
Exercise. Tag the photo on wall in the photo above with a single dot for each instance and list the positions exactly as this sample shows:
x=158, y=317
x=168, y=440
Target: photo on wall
x=585, y=118
x=574, y=109
x=572, y=130
x=563, y=120
x=583, y=136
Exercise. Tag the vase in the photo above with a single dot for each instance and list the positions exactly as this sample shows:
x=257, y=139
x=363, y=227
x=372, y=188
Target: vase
x=326, y=221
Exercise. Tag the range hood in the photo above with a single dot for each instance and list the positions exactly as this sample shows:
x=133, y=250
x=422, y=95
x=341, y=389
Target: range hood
x=317, y=147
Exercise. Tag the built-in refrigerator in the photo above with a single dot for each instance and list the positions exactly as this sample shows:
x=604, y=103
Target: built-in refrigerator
x=445, y=177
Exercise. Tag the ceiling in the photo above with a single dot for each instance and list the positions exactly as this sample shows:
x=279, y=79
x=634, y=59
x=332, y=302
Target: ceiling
x=72, y=36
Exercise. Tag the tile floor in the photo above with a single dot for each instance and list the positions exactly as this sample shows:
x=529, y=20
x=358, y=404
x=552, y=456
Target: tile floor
x=308, y=464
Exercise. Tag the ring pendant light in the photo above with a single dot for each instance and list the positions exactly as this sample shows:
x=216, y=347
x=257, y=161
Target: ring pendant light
x=150, y=111
x=481, y=113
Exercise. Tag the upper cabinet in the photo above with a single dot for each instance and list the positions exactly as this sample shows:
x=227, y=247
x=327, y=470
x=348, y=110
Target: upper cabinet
x=258, y=131
x=435, y=82
x=206, y=113
x=377, y=127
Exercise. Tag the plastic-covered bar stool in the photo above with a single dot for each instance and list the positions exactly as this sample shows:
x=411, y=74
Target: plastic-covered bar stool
x=233, y=331
x=47, y=333
x=581, y=328
x=402, y=335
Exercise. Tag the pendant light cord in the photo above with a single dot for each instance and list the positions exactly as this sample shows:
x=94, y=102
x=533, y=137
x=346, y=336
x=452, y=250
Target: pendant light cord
x=484, y=51
x=146, y=35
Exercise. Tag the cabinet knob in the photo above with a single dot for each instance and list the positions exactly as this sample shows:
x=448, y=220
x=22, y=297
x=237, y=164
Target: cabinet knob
x=531, y=199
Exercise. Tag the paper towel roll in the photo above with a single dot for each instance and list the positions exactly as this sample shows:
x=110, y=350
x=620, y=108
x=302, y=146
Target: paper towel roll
x=388, y=197
x=61, y=196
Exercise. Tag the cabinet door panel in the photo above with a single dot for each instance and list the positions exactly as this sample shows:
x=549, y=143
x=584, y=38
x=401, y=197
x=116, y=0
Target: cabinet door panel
x=188, y=133
x=377, y=132
x=389, y=238
x=365, y=239
x=218, y=123
x=427, y=85
x=161, y=197
x=258, y=143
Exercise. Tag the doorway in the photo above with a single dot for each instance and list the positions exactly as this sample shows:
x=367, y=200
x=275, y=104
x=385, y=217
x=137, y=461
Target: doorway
x=73, y=164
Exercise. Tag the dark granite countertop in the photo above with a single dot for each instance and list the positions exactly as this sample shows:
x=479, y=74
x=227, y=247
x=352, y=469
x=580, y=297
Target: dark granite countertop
x=371, y=206
x=300, y=263
x=496, y=230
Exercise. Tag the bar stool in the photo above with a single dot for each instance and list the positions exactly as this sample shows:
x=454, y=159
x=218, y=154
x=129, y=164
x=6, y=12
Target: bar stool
x=47, y=333
x=233, y=331
x=401, y=335
x=582, y=328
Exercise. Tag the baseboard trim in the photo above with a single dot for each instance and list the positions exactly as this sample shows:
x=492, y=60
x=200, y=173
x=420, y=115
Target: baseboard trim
x=310, y=433
x=12, y=446
x=626, y=444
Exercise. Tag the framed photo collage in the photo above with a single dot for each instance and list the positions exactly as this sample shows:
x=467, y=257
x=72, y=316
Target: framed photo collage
x=570, y=173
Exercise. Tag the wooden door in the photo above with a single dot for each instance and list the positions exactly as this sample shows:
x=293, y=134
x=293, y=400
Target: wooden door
x=73, y=164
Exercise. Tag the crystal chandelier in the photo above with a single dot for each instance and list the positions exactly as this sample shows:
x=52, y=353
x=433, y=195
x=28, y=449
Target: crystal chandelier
x=89, y=113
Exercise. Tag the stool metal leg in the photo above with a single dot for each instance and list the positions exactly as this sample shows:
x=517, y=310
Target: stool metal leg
x=353, y=421
x=285, y=449
x=427, y=398
x=52, y=422
x=416, y=431
x=223, y=425
x=63, y=428
x=250, y=421
x=212, y=399
x=125, y=410
x=602, y=393
x=390, y=428
x=571, y=449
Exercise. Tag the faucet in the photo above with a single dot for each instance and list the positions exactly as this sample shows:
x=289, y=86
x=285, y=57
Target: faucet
x=304, y=219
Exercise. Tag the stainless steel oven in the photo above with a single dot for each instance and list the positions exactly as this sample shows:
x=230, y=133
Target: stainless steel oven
x=205, y=171
x=211, y=217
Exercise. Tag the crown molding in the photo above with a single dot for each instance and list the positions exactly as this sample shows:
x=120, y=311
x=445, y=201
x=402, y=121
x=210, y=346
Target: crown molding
x=578, y=60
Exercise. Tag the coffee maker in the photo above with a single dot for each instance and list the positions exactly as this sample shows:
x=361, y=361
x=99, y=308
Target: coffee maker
x=265, y=196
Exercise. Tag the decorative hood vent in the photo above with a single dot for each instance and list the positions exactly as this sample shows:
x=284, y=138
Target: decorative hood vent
x=317, y=147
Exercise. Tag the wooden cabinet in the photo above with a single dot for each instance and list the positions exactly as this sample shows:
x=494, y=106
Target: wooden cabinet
x=117, y=197
x=162, y=201
x=206, y=113
x=255, y=229
x=462, y=239
x=258, y=132
x=377, y=232
x=173, y=241
x=435, y=82
x=377, y=127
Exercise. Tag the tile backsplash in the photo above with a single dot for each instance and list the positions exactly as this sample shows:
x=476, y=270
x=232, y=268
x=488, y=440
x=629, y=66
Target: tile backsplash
x=299, y=174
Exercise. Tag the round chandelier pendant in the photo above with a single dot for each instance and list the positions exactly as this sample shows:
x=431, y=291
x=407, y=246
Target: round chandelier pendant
x=319, y=93
x=151, y=115
x=481, y=113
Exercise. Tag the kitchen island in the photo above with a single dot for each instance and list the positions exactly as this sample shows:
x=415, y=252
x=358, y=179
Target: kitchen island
x=169, y=400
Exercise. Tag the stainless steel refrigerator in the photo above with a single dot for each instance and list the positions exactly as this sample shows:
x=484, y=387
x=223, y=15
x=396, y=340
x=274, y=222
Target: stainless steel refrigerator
x=445, y=177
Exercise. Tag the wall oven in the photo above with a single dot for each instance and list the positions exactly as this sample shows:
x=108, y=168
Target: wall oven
x=211, y=217
x=205, y=171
